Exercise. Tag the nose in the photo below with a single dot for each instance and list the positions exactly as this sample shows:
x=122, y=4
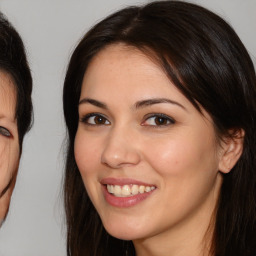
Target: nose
x=120, y=149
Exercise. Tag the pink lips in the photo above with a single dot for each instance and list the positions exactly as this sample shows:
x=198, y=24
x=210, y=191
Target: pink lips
x=123, y=202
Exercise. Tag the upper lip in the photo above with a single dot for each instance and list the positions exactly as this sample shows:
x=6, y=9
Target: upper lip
x=123, y=181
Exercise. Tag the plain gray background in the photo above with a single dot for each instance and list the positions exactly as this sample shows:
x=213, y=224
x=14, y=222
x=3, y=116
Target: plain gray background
x=50, y=30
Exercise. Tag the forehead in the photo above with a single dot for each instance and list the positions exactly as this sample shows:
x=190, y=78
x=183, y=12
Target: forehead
x=123, y=74
x=7, y=96
x=126, y=67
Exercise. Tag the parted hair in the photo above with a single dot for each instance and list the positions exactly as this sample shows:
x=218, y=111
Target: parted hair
x=205, y=59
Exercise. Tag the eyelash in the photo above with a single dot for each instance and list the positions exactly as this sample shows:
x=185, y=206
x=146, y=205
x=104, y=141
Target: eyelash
x=5, y=132
x=86, y=118
x=164, y=118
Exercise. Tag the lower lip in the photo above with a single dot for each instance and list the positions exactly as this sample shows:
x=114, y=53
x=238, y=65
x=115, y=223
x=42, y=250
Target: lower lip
x=123, y=202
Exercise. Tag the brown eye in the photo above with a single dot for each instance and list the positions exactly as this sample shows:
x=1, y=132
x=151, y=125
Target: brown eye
x=158, y=120
x=95, y=119
x=161, y=121
x=99, y=120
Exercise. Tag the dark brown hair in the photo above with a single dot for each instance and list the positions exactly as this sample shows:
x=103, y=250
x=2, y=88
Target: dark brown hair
x=13, y=60
x=205, y=59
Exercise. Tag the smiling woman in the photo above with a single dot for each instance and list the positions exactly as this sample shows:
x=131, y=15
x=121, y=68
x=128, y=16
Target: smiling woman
x=15, y=108
x=159, y=102
x=135, y=155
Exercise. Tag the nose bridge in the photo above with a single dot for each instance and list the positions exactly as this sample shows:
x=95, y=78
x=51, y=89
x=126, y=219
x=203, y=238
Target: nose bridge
x=120, y=148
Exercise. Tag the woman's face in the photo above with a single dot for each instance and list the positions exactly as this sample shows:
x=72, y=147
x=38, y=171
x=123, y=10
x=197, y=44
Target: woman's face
x=149, y=160
x=9, y=142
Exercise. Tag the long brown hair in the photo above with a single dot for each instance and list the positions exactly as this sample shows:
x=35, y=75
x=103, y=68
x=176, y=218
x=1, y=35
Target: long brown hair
x=207, y=62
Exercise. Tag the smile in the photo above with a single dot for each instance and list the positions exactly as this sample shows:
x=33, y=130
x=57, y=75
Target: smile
x=128, y=190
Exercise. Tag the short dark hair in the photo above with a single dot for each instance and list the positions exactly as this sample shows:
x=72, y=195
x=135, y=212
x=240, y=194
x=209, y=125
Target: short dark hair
x=13, y=61
x=205, y=59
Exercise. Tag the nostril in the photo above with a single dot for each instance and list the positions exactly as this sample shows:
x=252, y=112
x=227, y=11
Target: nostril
x=119, y=158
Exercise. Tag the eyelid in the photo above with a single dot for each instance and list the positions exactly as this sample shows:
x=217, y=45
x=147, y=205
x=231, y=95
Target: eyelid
x=5, y=132
x=155, y=115
x=85, y=118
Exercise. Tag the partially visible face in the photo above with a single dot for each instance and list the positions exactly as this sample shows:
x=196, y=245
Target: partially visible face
x=149, y=160
x=9, y=142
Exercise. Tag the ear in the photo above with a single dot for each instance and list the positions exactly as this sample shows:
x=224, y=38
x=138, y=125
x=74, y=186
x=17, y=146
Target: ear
x=232, y=148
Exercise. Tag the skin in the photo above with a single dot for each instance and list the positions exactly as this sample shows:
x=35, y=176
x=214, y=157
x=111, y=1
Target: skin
x=9, y=142
x=181, y=157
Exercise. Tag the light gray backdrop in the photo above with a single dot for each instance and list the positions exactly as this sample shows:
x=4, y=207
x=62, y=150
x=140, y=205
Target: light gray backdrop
x=50, y=30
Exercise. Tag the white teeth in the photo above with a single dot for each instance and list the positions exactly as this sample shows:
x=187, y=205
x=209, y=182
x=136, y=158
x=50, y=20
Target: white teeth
x=141, y=189
x=128, y=190
x=111, y=188
x=117, y=190
x=147, y=189
x=135, y=189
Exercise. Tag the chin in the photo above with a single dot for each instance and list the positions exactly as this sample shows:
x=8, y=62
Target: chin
x=123, y=235
x=124, y=232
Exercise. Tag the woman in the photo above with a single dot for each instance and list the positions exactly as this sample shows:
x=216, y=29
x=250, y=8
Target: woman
x=15, y=108
x=159, y=103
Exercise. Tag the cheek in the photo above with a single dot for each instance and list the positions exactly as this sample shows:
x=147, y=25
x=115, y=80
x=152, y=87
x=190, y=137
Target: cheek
x=188, y=171
x=87, y=153
x=182, y=155
x=9, y=161
x=87, y=156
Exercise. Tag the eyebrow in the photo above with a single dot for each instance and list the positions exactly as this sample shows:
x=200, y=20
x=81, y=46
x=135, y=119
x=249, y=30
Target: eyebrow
x=139, y=104
x=8, y=119
x=149, y=102
x=93, y=102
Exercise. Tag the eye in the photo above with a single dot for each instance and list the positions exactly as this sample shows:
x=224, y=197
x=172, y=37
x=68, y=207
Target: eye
x=5, y=132
x=95, y=119
x=158, y=120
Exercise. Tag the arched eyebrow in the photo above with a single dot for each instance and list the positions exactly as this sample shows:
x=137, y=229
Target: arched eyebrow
x=153, y=101
x=93, y=102
x=137, y=105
